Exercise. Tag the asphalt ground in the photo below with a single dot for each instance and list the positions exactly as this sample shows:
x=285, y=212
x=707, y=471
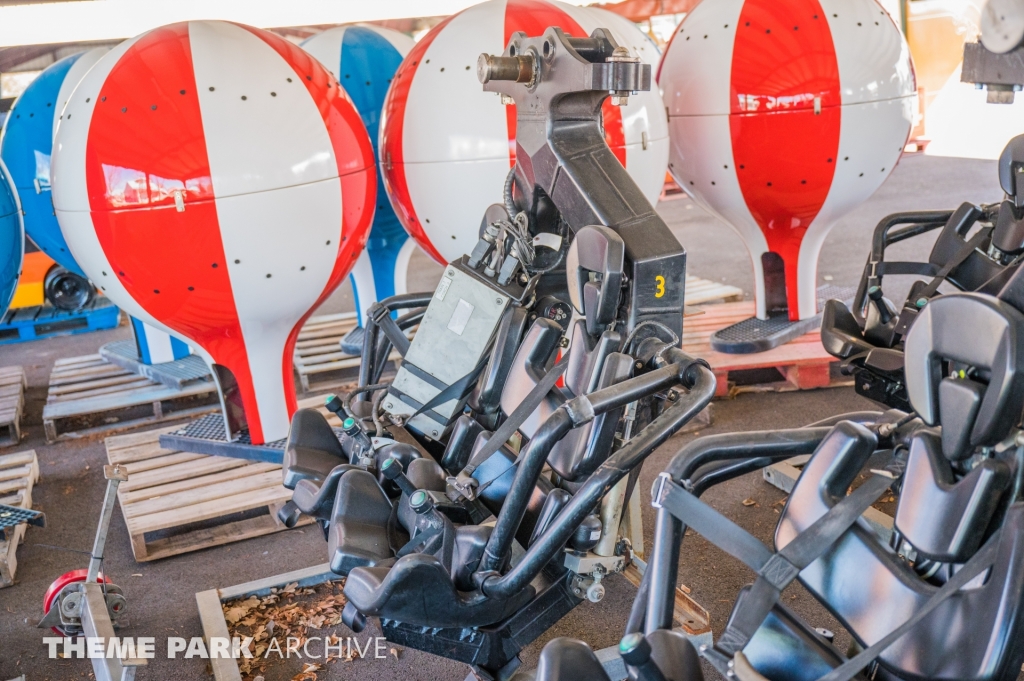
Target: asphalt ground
x=161, y=593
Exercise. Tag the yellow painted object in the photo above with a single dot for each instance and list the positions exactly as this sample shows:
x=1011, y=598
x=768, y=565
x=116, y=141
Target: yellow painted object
x=30, y=286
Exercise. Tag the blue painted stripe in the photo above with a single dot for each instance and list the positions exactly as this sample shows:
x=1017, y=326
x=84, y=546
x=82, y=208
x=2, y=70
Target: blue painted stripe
x=368, y=63
x=141, y=342
x=26, y=148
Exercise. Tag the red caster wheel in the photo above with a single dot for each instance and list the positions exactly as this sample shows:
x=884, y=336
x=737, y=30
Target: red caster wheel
x=58, y=584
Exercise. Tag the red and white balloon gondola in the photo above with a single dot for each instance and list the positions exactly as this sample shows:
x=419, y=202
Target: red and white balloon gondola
x=215, y=180
x=784, y=115
x=447, y=146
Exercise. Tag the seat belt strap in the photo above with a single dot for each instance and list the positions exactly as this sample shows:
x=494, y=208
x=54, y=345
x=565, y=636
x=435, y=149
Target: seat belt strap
x=775, y=571
x=979, y=562
x=455, y=391
x=464, y=482
x=381, y=316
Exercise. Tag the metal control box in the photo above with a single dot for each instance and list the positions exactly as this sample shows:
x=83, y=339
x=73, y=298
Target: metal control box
x=450, y=344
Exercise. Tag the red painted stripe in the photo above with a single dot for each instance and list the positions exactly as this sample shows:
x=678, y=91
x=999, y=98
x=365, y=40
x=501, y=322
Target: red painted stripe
x=392, y=133
x=533, y=17
x=171, y=263
x=784, y=154
x=354, y=155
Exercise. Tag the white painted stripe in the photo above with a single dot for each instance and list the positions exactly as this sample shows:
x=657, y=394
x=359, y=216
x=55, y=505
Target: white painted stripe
x=647, y=166
x=271, y=222
x=326, y=47
x=466, y=123
x=874, y=59
x=402, y=266
x=454, y=230
x=696, y=74
x=266, y=141
x=278, y=233
x=871, y=138
x=73, y=78
x=159, y=344
x=70, y=193
x=364, y=283
x=701, y=143
x=67, y=164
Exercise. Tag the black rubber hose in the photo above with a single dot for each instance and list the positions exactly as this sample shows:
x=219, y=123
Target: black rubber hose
x=702, y=390
x=551, y=431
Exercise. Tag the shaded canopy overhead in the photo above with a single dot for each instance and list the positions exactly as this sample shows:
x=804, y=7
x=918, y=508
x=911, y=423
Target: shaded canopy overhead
x=642, y=10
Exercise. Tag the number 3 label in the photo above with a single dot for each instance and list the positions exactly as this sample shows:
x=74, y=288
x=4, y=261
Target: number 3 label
x=660, y=281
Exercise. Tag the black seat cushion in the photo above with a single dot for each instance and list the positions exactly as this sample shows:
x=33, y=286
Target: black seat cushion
x=566, y=659
x=316, y=498
x=976, y=634
x=945, y=520
x=994, y=346
x=358, y=533
x=785, y=649
x=419, y=590
x=312, y=450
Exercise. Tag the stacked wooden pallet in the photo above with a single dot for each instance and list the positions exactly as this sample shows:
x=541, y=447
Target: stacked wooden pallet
x=175, y=502
x=89, y=395
x=699, y=291
x=19, y=472
x=803, y=363
x=12, y=404
x=318, y=350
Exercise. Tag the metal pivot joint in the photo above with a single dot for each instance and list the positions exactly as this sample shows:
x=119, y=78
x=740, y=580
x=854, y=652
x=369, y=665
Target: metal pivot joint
x=558, y=84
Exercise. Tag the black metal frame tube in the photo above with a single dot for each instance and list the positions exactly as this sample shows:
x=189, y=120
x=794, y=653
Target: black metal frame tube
x=882, y=237
x=551, y=431
x=732, y=446
x=384, y=345
x=368, y=372
x=702, y=389
x=514, y=507
x=766, y=445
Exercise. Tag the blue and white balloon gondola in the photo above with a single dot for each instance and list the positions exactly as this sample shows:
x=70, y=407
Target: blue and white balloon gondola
x=26, y=148
x=12, y=240
x=364, y=59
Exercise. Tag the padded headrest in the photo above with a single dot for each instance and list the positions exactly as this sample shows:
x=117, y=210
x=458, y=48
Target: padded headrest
x=1011, y=167
x=984, y=333
x=593, y=269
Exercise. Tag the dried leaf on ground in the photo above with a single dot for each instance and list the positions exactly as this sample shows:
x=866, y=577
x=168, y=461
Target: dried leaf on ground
x=288, y=612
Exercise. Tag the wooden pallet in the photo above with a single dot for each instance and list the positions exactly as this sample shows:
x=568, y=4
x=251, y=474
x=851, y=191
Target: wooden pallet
x=803, y=362
x=89, y=395
x=45, y=321
x=19, y=472
x=12, y=404
x=176, y=502
x=318, y=350
x=700, y=291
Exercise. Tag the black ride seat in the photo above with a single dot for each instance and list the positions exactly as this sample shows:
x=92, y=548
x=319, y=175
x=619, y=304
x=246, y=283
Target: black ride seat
x=959, y=517
x=977, y=633
x=312, y=449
